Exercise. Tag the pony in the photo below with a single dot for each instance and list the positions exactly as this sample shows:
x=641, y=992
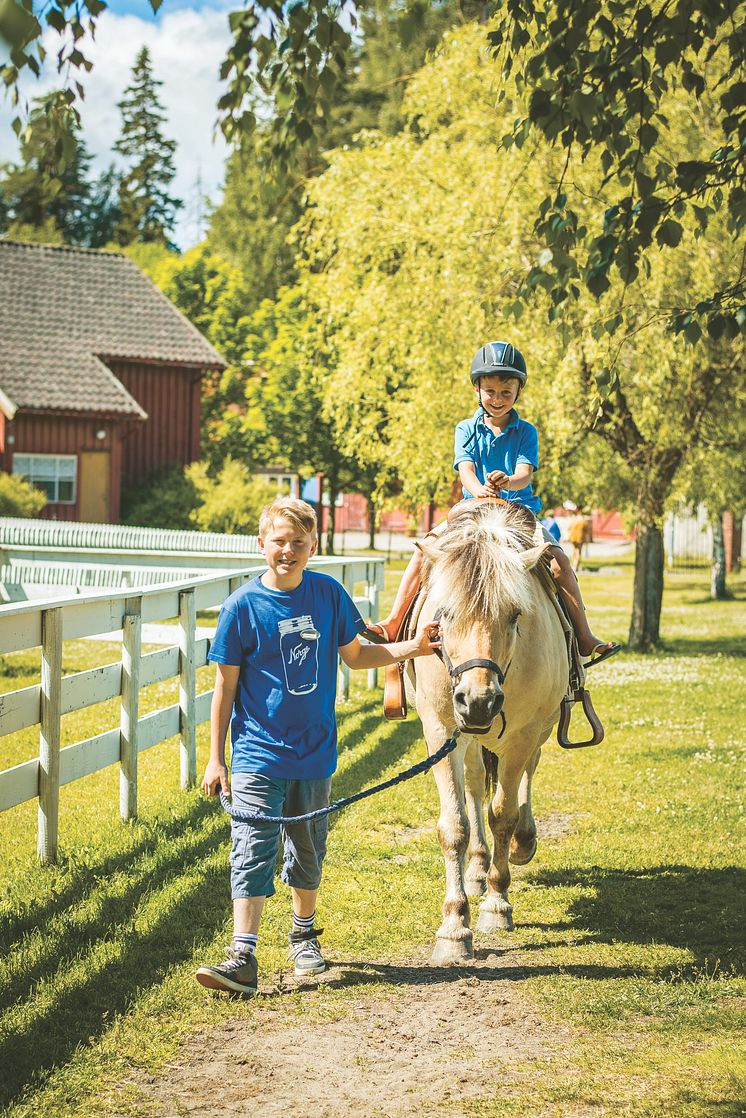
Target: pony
x=500, y=682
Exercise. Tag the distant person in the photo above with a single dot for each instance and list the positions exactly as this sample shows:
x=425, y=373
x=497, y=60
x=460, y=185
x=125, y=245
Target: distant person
x=550, y=525
x=579, y=534
x=275, y=651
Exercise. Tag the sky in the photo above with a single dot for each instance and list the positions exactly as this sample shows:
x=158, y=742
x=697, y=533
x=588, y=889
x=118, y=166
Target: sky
x=187, y=42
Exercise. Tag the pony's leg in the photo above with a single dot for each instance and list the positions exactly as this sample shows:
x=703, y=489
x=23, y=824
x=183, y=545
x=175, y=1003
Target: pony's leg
x=523, y=842
x=453, y=941
x=478, y=854
x=496, y=911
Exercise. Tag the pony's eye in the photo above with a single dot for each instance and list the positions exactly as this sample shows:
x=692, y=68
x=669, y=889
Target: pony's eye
x=514, y=618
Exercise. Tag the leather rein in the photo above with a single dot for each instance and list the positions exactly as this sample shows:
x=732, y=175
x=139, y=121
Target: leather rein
x=458, y=670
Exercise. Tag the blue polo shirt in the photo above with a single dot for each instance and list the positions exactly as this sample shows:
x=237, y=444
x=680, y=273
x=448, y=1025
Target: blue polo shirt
x=518, y=442
x=285, y=643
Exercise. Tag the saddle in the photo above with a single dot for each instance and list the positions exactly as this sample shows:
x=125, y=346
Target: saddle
x=394, y=694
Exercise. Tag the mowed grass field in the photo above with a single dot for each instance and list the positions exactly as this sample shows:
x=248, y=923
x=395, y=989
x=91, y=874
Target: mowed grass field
x=633, y=918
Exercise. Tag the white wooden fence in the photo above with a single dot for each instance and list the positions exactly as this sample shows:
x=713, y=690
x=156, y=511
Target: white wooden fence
x=49, y=623
x=81, y=536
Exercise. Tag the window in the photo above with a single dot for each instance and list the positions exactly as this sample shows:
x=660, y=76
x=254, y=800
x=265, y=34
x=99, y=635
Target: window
x=54, y=474
x=287, y=484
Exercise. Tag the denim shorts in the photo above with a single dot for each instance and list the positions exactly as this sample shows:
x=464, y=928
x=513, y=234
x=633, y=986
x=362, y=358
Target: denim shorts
x=254, y=845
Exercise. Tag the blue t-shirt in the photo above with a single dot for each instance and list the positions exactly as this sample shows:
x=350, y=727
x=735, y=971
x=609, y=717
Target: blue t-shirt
x=285, y=642
x=519, y=442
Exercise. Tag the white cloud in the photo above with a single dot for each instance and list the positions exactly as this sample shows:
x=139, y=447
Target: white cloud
x=187, y=47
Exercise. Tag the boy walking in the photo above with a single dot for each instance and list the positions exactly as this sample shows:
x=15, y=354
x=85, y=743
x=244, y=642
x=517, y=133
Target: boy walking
x=275, y=652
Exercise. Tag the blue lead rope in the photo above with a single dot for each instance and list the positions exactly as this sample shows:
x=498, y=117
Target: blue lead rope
x=421, y=767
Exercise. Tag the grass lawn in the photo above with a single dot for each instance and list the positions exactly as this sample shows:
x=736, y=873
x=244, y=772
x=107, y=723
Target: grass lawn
x=633, y=921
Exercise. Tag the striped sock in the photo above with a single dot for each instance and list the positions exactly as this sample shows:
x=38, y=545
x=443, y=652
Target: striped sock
x=245, y=941
x=303, y=923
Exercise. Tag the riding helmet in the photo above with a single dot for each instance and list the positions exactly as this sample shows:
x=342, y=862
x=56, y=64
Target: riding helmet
x=498, y=359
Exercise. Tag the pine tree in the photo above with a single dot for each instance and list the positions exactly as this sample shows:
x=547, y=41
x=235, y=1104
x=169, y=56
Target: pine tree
x=48, y=190
x=147, y=210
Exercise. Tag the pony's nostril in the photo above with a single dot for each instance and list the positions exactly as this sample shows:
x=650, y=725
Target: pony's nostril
x=459, y=700
x=497, y=702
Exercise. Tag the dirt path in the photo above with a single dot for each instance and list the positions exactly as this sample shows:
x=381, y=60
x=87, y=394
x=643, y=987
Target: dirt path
x=445, y=1034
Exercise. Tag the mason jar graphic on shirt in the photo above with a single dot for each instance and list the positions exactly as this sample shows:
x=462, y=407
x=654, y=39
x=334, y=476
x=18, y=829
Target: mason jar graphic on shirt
x=299, y=646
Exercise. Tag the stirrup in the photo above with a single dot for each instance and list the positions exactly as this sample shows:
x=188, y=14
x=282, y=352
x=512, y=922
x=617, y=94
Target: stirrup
x=579, y=695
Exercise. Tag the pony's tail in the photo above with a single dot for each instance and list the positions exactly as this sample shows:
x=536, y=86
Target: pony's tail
x=490, y=772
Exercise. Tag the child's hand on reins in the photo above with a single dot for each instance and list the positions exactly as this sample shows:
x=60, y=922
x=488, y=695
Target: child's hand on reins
x=498, y=480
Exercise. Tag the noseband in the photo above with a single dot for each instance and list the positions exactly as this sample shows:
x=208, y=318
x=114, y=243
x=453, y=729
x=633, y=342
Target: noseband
x=459, y=669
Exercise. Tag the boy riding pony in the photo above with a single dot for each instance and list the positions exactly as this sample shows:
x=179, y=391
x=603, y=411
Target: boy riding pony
x=496, y=453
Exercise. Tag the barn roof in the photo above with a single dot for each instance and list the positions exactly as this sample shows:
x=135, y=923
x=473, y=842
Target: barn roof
x=65, y=311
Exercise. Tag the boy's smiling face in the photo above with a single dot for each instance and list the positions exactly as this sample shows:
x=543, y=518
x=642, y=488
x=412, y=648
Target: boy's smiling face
x=287, y=549
x=497, y=395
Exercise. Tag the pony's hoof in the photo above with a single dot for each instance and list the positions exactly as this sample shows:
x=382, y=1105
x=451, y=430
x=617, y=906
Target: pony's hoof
x=491, y=921
x=451, y=952
x=521, y=853
x=475, y=884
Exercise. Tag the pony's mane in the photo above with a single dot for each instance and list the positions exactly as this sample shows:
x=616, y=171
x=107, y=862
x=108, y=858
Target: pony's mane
x=475, y=569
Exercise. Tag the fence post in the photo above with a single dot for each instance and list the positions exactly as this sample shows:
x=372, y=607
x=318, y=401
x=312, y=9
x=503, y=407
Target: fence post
x=130, y=708
x=349, y=586
x=187, y=688
x=49, y=735
x=371, y=593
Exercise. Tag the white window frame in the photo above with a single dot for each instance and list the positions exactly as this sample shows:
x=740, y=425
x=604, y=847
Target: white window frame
x=51, y=474
x=280, y=480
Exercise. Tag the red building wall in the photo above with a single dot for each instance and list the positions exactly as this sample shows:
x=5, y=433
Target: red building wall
x=170, y=394
x=33, y=433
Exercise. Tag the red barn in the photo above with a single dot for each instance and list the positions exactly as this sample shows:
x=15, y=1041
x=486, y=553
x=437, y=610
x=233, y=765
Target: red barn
x=100, y=377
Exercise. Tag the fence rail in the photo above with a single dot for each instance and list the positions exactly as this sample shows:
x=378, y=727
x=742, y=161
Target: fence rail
x=49, y=623
x=15, y=531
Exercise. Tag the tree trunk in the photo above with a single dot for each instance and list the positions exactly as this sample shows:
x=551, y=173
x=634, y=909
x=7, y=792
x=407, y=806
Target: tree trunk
x=648, y=591
x=372, y=516
x=717, y=583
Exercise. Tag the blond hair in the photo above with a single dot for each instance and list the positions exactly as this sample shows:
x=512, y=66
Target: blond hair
x=299, y=513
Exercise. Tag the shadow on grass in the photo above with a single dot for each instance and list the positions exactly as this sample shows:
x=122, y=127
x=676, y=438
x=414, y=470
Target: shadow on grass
x=700, y=910
x=350, y=739
x=705, y=646
x=114, y=908
x=62, y=1019
x=394, y=743
x=76, y=879
x=354, y=973
x=79, y=1014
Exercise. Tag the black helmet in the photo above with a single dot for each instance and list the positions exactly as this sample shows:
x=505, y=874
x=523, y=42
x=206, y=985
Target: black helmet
x=498, y=359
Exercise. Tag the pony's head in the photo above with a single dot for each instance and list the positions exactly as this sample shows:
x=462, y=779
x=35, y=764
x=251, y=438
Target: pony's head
x=478, y=578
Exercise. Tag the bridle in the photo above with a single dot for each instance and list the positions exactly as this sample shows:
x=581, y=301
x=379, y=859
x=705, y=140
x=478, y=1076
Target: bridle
x=455, y=672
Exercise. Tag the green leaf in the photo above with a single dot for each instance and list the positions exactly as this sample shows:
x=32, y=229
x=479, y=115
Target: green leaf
x=648, y=136
x=603, y=380
x=585, y=107
x=669, y=233
x=56, y=19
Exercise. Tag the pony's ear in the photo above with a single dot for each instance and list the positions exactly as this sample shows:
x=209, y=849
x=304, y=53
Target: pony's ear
x=531, y=557
x=430, y=550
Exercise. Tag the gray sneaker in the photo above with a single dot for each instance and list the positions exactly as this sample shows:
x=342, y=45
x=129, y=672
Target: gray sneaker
x=306, y=953
x=237, y=975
